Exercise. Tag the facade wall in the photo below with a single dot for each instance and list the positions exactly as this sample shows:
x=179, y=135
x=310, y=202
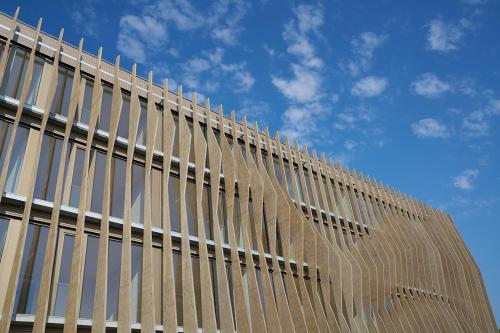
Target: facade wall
x=126, y=206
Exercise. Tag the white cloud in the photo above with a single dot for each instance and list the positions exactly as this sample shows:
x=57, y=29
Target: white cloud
x=350, y=118
x=369, y=86
x=464, y=181
x=446, y=36
x=206, y=73
x=477, y=123
x=138, y=34
x=254, y=111
x=430, y=86
x=363, y=47
x=430, y=128
x=302, y=87
x=307, y=103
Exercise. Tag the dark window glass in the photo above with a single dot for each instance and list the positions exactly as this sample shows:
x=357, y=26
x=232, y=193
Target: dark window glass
x=118, y=192
x=107, y=96
x=135, y=283
x=60, y=103
x=48, y=168
x=31, y=269
x=64, y=275
x=137, y=193
x=89, y=277
x=98, y=183
x=4, y=227
x=114, y=267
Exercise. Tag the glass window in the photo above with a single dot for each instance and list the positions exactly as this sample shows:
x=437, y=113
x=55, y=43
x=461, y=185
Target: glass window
x=124, y=116
x=48, y=168
x=4, y=227
x=191, y=208
x=64, y=275
x=297, y=177
x=138, y=175
x=31, y=269
x=238, y=231
x=60, y=104
x=76, y=183
x=89, y=277
x=156, y=197
x=15, y=73
x=206, y=207
x=87, y=100
x=178, y=286
x=118, y=193
x=98, y=184
x=16, y=159
x=174, y=204
x=288, y=179
x=107, y=97
x=114, y=267
x=5, y=128
x=277, y=171
x=318, y=192
x=157, y=288
x=141, y=128
x=135, y=283
x=197, y=289
x=221, y=213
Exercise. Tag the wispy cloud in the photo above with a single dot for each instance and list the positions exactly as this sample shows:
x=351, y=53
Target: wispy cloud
x=303, y=89
x=430, y=86
x=138, y=34
x=477, y=123
x=445, y=36
x=465, y=180
x=363, y=47
x=85, y=16
x=430, y=128
x=369, y=86
x=207, y=72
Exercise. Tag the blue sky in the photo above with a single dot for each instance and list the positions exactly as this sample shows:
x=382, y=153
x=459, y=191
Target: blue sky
x=408, y=92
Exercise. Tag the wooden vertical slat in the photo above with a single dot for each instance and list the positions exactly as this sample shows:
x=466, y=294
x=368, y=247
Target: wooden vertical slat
x=124, y=304
x=169, y=313
x=10, y=36
x=188, y=304
x=100, y=296
x=147, y=291
x=200, y=154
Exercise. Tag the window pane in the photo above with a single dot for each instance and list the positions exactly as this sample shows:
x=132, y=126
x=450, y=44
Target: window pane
x=14, y=73
x=60, y=104
x=178, y=287
x=156, y=197
x=5, y=128
x=107, y=95
x=157, y=291
x=76, y=182
x=174, y=204
x=87, y=100
x=197, y=289
x=4, y=227
x=141, y=128
x=191, y=208
x=124, y=116
x=118, y=194
x=135, y=283
x=206, y=205
x=16, y=159
x=137, y=193
x=64, y=275
x=98, y=185
x=31, y=269
x=89, y=278
x=48, y=168
x=114, y=266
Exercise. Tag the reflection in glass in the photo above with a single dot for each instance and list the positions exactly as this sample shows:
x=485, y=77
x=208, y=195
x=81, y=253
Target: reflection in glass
x=48, y=168
x=31, y=269
x=135, y=283
x=138, y=175
x=16, y=159
x=89, y=277
x=64, y=275
x=4, y=227
x=60, y=103
x=114, y=266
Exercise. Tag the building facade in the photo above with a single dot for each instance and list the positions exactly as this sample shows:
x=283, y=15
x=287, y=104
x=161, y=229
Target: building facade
x=128, y=207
